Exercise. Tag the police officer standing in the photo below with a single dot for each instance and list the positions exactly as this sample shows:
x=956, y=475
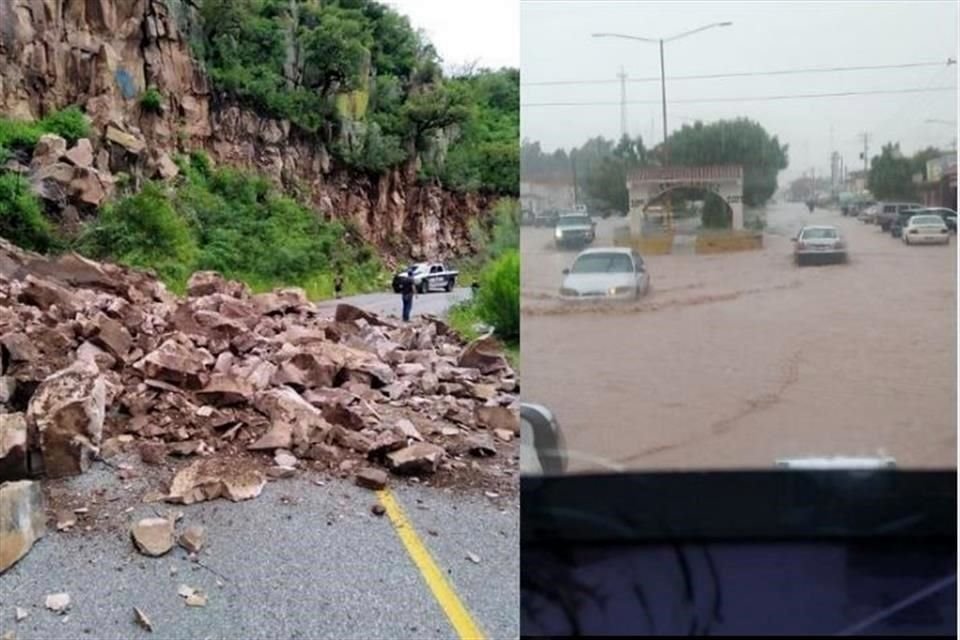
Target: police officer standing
x=407, y=289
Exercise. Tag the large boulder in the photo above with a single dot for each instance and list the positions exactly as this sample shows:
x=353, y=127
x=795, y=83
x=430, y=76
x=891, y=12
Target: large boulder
x=484, y=354
x=13, y=446
x=81, y=155
x=49, y=149
x=293, y=420
x=67, y=412
x=418, y=458
x=226, y=389
x=205, y=283
x=177, y=364
x=87, y=187
x=127, y=141
x=349, y=313
x=111, y=336
x=306, y=371
x=210, y=479
x=44, y=293
x=22, y=520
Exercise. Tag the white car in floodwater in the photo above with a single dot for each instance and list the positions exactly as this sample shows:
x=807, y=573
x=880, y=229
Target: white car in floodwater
x=606, y=274
x=926, y=229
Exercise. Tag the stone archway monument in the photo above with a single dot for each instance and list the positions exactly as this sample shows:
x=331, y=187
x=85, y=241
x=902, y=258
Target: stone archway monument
x=646, y=184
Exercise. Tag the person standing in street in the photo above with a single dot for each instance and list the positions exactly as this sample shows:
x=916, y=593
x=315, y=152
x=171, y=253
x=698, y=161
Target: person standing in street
x=338, y=285
x=407, y=289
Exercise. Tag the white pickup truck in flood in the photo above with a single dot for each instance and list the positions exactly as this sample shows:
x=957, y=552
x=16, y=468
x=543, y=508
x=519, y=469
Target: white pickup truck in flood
x=428, y=276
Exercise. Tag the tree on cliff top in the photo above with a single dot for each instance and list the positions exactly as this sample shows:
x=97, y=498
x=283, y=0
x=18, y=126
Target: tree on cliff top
x=288, y=59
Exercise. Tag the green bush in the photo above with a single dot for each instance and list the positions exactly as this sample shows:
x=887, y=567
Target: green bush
x=235, y=223
x=144, y=230
x=490, y=243
x=21, y=216
x=19, y=134
x=71, y=123
x=152, y=101
x=498, y=300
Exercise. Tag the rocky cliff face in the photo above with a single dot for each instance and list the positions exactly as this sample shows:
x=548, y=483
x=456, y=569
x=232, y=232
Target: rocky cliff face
x=103, y=54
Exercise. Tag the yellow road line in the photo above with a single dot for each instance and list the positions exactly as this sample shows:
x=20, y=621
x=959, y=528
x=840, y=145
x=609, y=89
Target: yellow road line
x=442, y=590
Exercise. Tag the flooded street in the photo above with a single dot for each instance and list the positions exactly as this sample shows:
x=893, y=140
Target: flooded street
x=734, y=360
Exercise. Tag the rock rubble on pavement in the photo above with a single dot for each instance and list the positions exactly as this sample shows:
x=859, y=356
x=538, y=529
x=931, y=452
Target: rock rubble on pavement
x=223, y=389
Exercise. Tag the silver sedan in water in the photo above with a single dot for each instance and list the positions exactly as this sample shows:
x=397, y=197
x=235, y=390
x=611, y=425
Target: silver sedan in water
x=820, y=242
x=605, y=274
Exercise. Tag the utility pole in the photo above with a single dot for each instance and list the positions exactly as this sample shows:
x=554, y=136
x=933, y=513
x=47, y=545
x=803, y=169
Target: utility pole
x=623, y=102
x=866, y=154
x=663, y=93
x=573, y=169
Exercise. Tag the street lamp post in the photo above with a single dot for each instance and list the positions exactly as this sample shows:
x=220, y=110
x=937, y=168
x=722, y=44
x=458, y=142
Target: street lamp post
x=663, y=78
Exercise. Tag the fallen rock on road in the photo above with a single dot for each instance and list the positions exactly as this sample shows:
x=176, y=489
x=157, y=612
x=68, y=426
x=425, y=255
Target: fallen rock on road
x=153, y=536
x=207, y=395
x=22, y=520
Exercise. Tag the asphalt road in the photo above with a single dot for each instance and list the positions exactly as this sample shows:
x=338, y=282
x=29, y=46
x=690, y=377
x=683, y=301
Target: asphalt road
x=388, y=304
x=735, y=360
x=302, y=561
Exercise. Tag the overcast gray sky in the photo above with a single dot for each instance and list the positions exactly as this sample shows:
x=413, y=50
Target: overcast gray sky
x=468, y=30
x=555, y=44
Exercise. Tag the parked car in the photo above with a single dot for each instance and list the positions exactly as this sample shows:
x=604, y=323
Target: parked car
x=926, y=229
x=854, y=209
x=896, y=229
x=546, y=218
x=428, y=276
x=869, y=214
x=574, y=229
x=949, y=216
x=606, y=274
x=819, y=242
x=888, y=211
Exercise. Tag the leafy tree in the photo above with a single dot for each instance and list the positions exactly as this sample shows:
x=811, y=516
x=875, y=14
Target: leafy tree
x=287, y=59
x=431, y=109
x=739, y=141
x=485, y=153
x=335, y=49
x=891, y=174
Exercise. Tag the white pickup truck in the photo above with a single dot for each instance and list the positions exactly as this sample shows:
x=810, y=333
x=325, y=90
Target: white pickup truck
x=428, y=276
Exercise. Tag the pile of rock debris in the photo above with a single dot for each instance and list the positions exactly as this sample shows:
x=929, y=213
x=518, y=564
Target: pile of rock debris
x=98, y=358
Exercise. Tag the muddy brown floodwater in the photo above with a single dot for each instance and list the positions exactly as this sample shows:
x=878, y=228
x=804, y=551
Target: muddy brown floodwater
x=737, y=359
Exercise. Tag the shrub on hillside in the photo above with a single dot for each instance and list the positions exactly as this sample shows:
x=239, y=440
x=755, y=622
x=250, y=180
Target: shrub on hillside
x=233, y=222
x=71, y=123
x=144, y=230
x=21, y=216
x=498, y=300
x=152, y=101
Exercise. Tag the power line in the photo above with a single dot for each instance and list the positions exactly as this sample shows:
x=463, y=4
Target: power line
x=797, y=96
x=746, y=74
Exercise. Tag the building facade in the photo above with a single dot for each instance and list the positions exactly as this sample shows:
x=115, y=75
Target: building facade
x=544, y=194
